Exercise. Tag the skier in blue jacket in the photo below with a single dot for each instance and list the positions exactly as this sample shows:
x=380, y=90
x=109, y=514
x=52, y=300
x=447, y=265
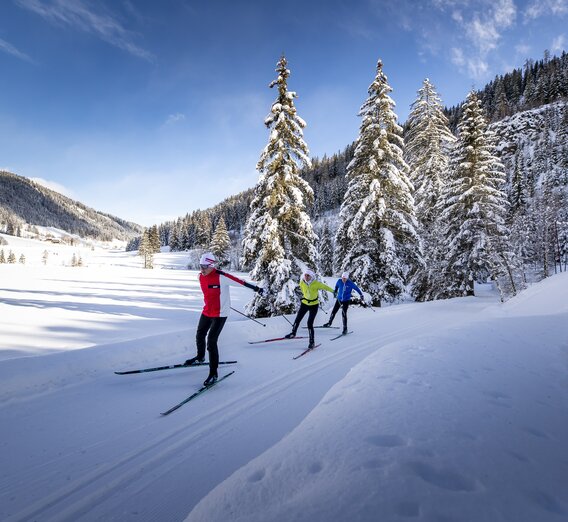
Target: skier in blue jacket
x=342, y=293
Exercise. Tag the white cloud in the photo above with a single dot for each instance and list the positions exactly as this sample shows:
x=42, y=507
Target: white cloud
x=477, y=67
x=53, y=185
x=174, y=118
x=80, y=16
x=480, y=28
x=538, y=8
x=484, y=30
x=523, y=49
x=558, y=44
x=457, y=57
x=10, y=49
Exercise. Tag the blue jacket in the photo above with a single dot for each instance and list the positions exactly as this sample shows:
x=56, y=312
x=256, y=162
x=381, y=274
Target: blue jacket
x=343, y=291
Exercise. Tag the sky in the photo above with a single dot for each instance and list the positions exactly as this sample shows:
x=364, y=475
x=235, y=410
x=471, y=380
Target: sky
x=149, y=110
x=451, y=410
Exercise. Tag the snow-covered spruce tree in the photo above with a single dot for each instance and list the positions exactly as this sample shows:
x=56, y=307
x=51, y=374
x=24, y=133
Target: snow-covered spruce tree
x=221, y=242
x=376, y=239
x=202, y=229
x=474, y=208
x=145, y=250
x=154, y=239
x=279, y=241
x=326, y=251
x=428, y=141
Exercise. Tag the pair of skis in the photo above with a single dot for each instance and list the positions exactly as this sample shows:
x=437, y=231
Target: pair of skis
x=174, y=366
x=299, y=337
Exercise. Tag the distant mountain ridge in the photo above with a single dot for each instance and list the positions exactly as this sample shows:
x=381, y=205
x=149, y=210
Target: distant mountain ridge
x=25, y=202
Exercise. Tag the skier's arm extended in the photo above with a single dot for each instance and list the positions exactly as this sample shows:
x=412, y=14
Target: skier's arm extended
x=235, y=280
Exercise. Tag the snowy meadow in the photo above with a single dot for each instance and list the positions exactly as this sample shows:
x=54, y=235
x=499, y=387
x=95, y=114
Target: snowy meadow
x=450, y=410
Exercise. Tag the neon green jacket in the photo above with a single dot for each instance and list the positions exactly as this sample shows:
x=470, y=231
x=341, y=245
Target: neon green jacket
x=310, y=291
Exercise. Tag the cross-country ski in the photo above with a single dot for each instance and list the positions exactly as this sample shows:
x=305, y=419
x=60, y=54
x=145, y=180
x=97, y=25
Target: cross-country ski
x=307, y=350
x=340, y=335
x=277, y=339
x=326, y=327
x=196, y=394
x=170, y=367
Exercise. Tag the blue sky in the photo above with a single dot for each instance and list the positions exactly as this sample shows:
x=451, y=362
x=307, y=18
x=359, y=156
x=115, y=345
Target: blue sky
x=148, y=110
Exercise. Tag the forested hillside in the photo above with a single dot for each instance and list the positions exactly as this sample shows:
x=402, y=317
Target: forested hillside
x=24, y=202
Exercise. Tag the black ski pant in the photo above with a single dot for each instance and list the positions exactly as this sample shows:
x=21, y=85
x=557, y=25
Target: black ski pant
x=208, y=331
x=344, y=306
x=312, y=310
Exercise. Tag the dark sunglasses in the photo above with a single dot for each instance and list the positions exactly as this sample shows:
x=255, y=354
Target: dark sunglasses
x=205, y=267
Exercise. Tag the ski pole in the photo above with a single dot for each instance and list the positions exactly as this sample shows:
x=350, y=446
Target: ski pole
x=287, y=320
x=247, y=316
x=369, y=306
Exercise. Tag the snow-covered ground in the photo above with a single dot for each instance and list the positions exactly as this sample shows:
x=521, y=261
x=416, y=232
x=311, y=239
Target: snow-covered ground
x=445, y=411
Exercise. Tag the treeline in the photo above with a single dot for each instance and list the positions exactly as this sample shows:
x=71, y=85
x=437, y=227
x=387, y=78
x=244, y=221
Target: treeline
x=531, y=142
x=537, y=83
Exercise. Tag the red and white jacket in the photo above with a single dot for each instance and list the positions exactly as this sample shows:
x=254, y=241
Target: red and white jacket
x=215, y=287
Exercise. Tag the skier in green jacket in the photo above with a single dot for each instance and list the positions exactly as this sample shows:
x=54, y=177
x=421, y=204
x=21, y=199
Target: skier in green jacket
x=310, y=304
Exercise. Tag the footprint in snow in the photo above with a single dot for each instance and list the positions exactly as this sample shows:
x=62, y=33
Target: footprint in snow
x=257, y=476
x=386, y=441
x=536, y=433
x=315, y=467
x=408, y=509
x=547, y=502
x=495, y=394
x=444, y=478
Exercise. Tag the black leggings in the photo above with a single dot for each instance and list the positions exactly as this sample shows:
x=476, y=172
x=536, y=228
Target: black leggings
x=312, y=310
x=210, y=328
x=344, y=306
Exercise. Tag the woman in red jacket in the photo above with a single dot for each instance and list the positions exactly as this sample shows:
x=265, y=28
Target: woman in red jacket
x=215, y=287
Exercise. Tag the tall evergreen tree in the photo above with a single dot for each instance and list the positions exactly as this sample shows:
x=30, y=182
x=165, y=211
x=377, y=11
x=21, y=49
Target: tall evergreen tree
x=154, y=239
x=279, y=241
x=145, y=250
x=428, y=141
x=221, y=242
x=202, y=229
x=475, y=207
x=326, y=251
x=377, y=240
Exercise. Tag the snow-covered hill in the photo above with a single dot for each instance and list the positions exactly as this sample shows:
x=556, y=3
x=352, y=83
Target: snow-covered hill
x=26, y=204
x=535, y=142
x=448, y=410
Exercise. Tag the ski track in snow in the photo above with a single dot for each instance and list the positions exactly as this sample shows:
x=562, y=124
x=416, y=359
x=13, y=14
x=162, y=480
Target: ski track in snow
x=97, y=488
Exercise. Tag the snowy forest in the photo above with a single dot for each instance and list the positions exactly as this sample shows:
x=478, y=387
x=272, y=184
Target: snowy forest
x=422, y=209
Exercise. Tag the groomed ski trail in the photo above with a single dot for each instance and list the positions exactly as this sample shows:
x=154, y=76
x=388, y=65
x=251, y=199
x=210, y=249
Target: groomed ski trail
x=177, y=451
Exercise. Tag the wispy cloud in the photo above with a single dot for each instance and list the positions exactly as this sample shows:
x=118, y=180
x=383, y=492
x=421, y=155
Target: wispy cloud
x=82, y=16
x=523, y=49
x=538, y=8
x=174, y=118
x=558, y=44
x=481, y=26
x=7, y=47
x=53, y=185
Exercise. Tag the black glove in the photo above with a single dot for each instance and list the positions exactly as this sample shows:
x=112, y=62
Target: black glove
x=259, y=291
x=335, y=294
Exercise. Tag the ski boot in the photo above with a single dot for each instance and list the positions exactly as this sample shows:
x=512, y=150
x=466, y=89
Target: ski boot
x=212, y=379
x=312, y=342
x=194, y=360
